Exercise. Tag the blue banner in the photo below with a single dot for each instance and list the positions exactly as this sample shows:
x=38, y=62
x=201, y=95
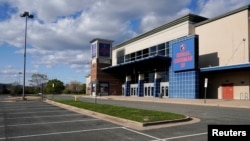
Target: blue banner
x=184, y=54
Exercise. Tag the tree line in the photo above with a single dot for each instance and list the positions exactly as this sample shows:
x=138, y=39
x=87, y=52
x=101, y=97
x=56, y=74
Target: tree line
x=39, y=84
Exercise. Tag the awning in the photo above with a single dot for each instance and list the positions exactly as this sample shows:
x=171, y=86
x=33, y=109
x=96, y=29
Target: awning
x=237, y=67
x=150, y=63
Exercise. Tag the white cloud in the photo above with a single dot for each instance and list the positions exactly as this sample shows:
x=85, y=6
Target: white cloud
x=212, y=8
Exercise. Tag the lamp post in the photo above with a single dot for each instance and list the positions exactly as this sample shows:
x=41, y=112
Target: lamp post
x=26, y=15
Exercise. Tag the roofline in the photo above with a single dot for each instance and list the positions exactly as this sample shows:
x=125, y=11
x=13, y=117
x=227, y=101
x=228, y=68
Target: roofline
x=102, y=40
x=189, y=17
x=247, y=7
x=228, y=67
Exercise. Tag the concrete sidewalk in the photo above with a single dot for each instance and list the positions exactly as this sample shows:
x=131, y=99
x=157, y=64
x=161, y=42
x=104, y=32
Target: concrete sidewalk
x=207, y=102
x=202, y=102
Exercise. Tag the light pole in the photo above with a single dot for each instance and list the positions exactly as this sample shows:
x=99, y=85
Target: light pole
x=26, y=15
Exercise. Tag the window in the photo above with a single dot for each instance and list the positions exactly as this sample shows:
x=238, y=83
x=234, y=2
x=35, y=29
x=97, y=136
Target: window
x=153, y=51
x=161, y=49
x=127, y=58
x=120, y=60
x=167, y=48
x=132, y=56
x=138, y=54
x=145, y=53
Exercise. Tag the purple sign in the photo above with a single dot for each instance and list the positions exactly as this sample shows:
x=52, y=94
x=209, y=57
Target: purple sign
x=104, y=49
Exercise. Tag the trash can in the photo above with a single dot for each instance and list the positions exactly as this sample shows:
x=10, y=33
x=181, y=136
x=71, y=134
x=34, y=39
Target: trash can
x=160, y=95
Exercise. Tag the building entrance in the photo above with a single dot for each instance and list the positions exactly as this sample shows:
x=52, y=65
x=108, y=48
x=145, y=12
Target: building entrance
x=133, y=89
x=164, y=88
x=148, y=89
x=227, y=91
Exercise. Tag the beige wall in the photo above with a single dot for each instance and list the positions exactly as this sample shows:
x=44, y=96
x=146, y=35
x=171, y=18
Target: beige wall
x=88, y=85
x=174, y=32
x=240, y=81
x=224, y=38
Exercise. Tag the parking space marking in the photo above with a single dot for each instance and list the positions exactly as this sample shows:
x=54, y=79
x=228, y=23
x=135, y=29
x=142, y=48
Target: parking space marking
x=60, y=110
x=22, y=109
x=178, y=137
x=141, y=133
x=51, y=122
x=16, y=108
x=58, y=133
x=44, y=116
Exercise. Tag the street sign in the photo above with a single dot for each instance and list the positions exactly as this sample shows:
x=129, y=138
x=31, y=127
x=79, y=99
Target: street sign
x=205, y=83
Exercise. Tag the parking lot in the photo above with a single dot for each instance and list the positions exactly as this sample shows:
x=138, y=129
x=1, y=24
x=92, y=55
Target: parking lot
x=39, y=121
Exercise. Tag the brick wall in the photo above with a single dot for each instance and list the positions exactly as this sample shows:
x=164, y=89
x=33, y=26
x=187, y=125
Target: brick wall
x=115, y=82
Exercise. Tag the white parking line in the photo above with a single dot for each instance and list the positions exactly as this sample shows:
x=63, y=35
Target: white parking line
x=141, y=133
x=50, y=122
x=26, y=106
x=59, y=110
x=58, y=133
x=22, y=109
x=44, y=116
x=178, y=137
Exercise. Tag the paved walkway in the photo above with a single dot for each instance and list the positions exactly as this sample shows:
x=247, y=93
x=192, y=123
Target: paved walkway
x=207, y=102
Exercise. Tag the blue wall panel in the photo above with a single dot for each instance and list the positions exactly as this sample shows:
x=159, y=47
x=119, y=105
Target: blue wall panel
x=184, y=83
x=127, y=88
x=157, y=87
x=140, y=88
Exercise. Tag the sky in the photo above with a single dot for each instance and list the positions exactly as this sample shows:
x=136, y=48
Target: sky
x=59, y=34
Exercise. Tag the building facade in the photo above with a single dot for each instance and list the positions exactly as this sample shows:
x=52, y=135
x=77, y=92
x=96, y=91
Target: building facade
x=175, y=59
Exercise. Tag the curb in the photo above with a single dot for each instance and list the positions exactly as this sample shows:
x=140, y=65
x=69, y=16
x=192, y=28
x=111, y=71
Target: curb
x=187, y=118
x=27, y=98
x=120, y=121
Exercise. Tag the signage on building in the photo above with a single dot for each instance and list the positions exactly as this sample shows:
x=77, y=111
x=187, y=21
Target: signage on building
x=104, y=49
x=184, y=54
x=93, y=50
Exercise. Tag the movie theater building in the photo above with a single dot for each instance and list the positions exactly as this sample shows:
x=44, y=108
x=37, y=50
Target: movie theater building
x=190, y=57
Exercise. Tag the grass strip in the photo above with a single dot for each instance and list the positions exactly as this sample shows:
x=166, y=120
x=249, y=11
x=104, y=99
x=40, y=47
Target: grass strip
x=139, y=115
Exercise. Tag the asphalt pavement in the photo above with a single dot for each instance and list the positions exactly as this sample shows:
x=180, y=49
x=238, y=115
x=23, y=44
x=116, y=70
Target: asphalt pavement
x=35, y=119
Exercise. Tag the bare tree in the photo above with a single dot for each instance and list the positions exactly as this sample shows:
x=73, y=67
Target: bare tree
x=38, y=80
x=74, y=87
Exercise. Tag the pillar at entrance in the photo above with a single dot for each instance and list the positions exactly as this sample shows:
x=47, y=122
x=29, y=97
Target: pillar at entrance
x=127, y=85
x=157, y=81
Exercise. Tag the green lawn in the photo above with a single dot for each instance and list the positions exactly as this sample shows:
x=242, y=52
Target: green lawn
x=139, y=115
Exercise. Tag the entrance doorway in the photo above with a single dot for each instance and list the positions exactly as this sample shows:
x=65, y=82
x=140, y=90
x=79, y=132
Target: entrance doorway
x=164, y=88
x=228, y=91
x=148, y=89
x=133, y=89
